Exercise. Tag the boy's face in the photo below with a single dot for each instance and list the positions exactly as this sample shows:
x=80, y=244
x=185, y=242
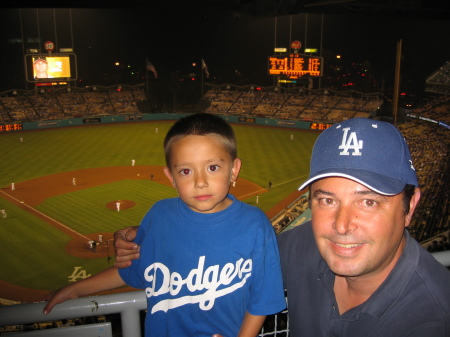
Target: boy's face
x=201, y=171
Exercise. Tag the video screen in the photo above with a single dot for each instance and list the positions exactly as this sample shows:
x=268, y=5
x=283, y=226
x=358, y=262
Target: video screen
x=50, y=67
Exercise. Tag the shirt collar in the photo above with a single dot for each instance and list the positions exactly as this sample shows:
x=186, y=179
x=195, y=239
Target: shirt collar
x=208, y=219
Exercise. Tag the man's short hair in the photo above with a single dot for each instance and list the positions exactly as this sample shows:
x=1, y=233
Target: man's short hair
x=408, y=192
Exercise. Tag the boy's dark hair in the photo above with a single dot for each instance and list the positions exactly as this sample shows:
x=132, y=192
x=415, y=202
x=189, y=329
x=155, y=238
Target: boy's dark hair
x=201, y=124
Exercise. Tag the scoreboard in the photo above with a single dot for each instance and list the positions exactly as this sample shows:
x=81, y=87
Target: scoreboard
x=296, y=66
x=11, y=127
x=57, y=68
x=320, y=126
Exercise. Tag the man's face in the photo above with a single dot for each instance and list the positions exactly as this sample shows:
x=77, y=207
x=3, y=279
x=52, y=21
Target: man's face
x=359, y=233
x=41, y=69
x=201, y=170
x=40, y=65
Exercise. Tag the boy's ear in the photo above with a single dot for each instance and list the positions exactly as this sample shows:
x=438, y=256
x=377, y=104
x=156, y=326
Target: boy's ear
x=169, y=176
x=235, y=169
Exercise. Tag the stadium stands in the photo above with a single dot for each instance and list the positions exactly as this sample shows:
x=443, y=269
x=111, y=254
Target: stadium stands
x=429, y=142
x=439, y=81
x=308, y=105
x=430, y=150
x=27, y=106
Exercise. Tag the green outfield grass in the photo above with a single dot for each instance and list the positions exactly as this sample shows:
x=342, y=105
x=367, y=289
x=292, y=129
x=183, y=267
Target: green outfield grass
x=32, y=251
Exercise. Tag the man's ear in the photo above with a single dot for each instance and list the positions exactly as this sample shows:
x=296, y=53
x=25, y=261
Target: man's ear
x=412, y=206
x=235, y=169
x=169, y=176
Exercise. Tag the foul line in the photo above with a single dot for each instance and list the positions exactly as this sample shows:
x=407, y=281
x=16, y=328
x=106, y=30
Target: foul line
x=289, y=181
x=251, y=194
x=276, y=185
x=45, y=215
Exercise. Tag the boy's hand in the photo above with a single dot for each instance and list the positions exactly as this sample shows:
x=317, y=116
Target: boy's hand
x=57, y=297
x=124, y=248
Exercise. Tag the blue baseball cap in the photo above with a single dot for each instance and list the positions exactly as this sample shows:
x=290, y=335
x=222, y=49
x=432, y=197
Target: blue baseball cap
x=370, y=152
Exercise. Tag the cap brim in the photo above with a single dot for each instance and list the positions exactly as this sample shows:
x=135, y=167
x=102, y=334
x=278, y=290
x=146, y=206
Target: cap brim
x=373, y=181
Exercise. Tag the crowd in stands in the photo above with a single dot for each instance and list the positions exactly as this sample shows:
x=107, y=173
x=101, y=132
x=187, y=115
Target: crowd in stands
x=439, y=81
x=437, y=108
x=308, y=105
x=438, y=243
x=27, y=106
x=292, y=212
x=430, y=150
x=429, y=142
x=27, y=328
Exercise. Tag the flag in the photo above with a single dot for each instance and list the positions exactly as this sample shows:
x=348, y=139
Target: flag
x=205, y=68
x=152, y=68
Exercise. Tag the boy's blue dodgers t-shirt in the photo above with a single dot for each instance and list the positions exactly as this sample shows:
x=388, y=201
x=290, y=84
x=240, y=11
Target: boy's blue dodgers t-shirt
x=203, y=271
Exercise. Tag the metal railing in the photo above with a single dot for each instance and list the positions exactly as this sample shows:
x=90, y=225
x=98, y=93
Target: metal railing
x=127, y=304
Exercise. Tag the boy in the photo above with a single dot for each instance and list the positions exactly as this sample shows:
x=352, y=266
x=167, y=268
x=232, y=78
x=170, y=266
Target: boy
x=209, y=263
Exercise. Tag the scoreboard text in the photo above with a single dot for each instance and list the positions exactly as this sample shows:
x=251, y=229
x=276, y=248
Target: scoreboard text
x=295, y=66
x=320, y=126
x=11, y=127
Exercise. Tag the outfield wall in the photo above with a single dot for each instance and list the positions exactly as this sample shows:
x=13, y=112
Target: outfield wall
x=97, y=120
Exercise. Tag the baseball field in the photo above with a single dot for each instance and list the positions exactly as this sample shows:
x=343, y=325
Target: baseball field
x=73, y=185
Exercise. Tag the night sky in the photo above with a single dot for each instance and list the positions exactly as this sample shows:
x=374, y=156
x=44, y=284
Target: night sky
x=173, y=38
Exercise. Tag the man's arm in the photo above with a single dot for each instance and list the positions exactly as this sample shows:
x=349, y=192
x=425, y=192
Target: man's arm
x=124, y=248
x=105, y=280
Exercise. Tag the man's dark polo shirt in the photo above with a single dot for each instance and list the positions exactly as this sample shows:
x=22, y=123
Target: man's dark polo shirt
x=413, y=301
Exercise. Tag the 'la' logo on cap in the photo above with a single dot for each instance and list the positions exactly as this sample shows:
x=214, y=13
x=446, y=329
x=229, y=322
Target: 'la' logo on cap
x=350, y=143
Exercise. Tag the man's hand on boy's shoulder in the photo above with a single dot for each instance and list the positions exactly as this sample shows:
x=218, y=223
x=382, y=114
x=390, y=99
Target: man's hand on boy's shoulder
x=125, y=249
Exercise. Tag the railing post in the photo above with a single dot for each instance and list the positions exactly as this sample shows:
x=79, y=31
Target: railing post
x=442, y=257
x=131, y=323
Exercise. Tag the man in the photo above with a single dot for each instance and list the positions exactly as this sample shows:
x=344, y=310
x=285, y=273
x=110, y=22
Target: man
x=41, y=67
x=354, y=270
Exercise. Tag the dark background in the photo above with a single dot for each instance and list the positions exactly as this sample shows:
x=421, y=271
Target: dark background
x=233, y=37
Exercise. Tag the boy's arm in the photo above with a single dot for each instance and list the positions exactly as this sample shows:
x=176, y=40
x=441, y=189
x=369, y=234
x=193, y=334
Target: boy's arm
x=251, y=326
x=105, y=280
